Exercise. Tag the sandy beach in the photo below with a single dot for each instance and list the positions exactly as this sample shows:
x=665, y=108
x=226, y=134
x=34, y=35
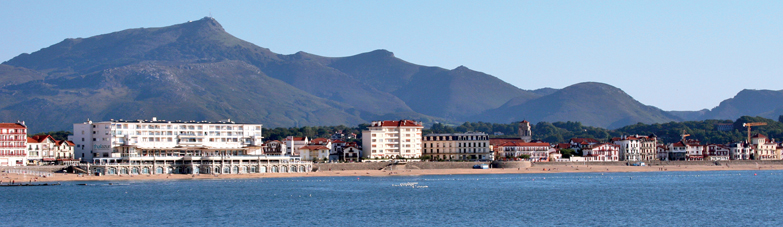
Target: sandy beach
x=62, y=177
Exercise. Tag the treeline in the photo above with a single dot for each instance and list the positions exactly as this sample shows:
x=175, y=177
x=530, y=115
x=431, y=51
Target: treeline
x=706, y=131
x=560, y=132
x=311, y=131
x=556, y=132
x=57, y=135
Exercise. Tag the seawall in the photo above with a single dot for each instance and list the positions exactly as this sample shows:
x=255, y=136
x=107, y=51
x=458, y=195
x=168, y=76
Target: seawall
x=398, y=166
x=667, y=163
x=51, y=169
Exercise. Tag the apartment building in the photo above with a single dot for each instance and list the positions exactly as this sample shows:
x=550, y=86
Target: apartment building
x=458, y=146
x=13, y=144
x=188, y=147
x=392, y=139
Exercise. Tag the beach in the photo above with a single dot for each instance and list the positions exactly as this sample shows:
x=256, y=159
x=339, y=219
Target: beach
x=62, y=177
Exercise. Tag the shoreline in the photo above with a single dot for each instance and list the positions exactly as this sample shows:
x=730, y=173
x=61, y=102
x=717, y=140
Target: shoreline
x=67, y=177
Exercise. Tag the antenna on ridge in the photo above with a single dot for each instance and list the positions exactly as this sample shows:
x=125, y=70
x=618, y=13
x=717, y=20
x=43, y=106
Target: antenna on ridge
x=210, y=14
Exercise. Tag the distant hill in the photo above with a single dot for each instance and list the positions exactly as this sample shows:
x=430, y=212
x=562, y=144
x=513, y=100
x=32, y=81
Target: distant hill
x=593, y=104
x=764, y=103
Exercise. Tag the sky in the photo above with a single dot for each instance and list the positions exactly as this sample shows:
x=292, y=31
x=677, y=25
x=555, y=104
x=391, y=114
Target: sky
x=675, y=55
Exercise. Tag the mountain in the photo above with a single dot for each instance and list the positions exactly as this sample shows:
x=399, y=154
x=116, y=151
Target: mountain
x=593, y=104
x=764, y=103
x=198, y=71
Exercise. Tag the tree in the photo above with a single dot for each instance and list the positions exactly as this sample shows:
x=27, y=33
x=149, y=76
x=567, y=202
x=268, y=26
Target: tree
x=568, y=152
x=780, y=119
x=425, y=157
x=524, y=156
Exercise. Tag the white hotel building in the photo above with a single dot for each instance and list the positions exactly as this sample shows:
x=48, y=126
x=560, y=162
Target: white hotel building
x=390, y=139
x=189, y=147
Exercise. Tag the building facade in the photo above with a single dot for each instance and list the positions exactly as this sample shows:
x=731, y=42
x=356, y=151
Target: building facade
x=764, y=148
x=718, y=152
x=392, y=139
x=538, y=151
x=457, y=146
x=188, y=147
x=44, y=149
x=606, y=152
x=13, y=144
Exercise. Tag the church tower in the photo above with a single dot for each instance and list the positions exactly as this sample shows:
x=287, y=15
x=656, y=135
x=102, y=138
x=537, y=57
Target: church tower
x=524, y=131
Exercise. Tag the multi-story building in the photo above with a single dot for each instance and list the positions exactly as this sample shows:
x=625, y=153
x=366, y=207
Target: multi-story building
x=764, y=148
x=637, y=148
x=64, y=152
x=190, y=147
x=577, y=144
x=605, y=152
x=538, y=151
x=648, y=151
x=292, y=144
x=13, y=144
x=718, y=152
x=739, y=151
x=391, y=139
x=274, y=147
x=314, y=152
x=677, y=151
x=630, y=148
x=351, y=152
x=458, y=146
x=40, y=149
x=44, y=149
x=686, y=150
x=662, y=154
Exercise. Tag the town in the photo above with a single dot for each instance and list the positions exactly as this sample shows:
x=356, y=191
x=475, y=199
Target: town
x=156, y=146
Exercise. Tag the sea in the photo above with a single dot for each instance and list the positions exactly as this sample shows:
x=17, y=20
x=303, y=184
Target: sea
x=715, y=198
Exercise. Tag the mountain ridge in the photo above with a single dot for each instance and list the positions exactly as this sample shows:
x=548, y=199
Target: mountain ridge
x=197, y=70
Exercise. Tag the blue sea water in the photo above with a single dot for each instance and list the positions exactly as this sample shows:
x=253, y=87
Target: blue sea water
x=720, y=198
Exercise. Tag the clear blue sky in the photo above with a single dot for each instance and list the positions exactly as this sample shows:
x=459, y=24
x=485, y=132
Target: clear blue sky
x=671, y=54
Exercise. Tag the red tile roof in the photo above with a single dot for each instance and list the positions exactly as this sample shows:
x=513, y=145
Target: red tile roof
x=12, y=125
x=296, y=138
x=759, y=136
x=498, y=141
x=314, y=147
x=40, y=138
x=60, y=142
x=584, y=140
x=400, y=123
x=319, y=140
x=523, y=144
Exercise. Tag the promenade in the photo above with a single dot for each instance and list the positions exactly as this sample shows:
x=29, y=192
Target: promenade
x=562, y=168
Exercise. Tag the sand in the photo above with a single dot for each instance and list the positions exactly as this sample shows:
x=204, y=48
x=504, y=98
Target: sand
x=62, y=177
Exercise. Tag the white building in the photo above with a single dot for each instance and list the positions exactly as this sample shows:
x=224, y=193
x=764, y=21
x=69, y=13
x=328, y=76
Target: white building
x=45, y=149
x=606, y=152
x=391, y=139
x=538, y=151
x=458, y=146
x=292, y=144
x=13, y=144
x=739, y=151
x=718, y=152
x=159, y=146
x=630, y=148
